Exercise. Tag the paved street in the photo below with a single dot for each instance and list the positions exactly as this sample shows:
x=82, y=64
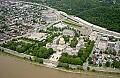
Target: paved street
x=89, y=25
x=105, y=69
x=85, y=65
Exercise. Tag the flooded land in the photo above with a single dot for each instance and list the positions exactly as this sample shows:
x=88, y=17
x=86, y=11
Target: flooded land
x=14, y=68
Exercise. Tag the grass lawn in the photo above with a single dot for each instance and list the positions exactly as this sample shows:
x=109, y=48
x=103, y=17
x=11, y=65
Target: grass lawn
x=72, y=23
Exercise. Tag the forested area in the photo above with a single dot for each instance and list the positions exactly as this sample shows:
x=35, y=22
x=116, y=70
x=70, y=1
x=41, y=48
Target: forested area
x=104, y=13
x=107, y=17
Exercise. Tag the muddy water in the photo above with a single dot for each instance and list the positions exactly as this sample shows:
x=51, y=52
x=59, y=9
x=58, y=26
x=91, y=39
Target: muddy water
x=14, y=68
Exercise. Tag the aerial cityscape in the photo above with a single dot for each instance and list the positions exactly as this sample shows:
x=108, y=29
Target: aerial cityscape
x=54, y=39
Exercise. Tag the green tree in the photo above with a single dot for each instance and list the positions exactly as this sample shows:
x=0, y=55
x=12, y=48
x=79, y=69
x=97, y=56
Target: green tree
x=80, y=52
x=100, y=65
x=90, y=60
x=65, y=65
x=50, y=50
x=80, y=68
x=119, y=52
x=39, y=60
x=45, y=55
x=66, y=38
x=116, y=64
x=107, y=64
x=93, y=70
x=88, y=68
x=74, y=42
x=114, y=53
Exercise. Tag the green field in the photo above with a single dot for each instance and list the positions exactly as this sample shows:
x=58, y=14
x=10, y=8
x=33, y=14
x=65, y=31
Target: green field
x=71, y=23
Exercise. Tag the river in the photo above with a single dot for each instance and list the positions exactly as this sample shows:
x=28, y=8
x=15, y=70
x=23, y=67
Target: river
x=15, y=68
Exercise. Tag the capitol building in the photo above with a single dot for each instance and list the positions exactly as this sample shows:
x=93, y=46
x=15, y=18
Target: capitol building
x=60, y=45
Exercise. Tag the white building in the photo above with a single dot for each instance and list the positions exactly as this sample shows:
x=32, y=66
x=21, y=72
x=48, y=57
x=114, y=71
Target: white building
x=56, y=40
x=67, y=32
x=93, y=36
x=105, y=38
x=112, y=46
x=38, y=36
x=70, y=51
x=60, y=25
x=102, y=45
x=80, y=45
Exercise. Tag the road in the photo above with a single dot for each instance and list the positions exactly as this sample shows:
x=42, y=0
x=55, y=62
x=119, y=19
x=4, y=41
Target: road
x=105, y=69
x=85, y=65
x=89, y=25
x=51, y=24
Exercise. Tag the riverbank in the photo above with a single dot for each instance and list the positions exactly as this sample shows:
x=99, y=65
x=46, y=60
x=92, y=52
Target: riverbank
x=95, y=73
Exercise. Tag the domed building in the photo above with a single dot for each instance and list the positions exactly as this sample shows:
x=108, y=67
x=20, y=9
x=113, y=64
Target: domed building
x=61, y=41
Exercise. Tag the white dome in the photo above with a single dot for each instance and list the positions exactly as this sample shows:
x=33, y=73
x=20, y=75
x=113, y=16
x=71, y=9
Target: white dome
x=62, y=39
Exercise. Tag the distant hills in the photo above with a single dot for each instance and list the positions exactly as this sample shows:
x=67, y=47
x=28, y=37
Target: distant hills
x=104, y=13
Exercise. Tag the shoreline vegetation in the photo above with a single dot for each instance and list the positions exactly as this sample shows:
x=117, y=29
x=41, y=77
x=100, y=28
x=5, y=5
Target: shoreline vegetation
x=75, y=71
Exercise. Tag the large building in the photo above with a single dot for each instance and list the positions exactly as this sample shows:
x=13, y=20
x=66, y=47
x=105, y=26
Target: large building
x=93, y=36
x=111, y=46
x=102, y=45
x=49, y=16
x=70, y=51
x=37, y=36
x=80, y=44
x=67, y=32
x=60, y=25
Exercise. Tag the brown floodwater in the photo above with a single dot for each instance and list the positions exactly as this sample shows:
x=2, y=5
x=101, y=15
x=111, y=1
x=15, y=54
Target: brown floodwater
x=14, y=68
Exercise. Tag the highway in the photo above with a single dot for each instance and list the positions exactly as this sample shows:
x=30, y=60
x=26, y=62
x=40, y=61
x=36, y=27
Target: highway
x=56, y=22
x=93, y=27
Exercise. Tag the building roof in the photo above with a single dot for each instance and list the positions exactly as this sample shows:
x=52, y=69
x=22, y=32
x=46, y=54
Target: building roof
x=68, y=32
x=62, y=39
x=60, y=25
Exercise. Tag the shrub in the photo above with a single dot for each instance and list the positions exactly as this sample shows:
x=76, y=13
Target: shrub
x=93, y=70
x=88, y=68
x=80, y=68
x=39, y=60
x=65, y=65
